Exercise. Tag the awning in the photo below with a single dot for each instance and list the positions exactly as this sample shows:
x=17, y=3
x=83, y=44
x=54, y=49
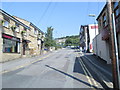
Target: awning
x=27, y=41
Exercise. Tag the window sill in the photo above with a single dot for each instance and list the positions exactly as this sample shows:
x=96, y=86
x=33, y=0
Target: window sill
x=10, y=53
x=6, y=27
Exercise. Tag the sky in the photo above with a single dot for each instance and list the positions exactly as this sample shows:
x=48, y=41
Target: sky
x=65, y=17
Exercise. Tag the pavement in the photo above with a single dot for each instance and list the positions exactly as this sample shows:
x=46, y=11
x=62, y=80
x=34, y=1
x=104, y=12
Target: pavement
x=17, y=63
x=102, y=70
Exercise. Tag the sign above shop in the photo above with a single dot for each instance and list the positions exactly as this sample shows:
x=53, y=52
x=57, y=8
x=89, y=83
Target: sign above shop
x=10, y=37
x=6, y=36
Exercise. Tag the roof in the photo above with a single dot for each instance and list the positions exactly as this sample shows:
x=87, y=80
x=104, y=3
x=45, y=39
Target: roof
x=20, y=18
x=30, y=24
x=14, y=19
x=36, y=27
x=102, y=11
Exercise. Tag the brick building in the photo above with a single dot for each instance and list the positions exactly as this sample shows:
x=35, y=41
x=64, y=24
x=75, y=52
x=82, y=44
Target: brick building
x=103, y=39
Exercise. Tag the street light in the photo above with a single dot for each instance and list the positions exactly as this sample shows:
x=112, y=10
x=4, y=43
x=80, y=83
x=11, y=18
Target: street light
x=93, y=15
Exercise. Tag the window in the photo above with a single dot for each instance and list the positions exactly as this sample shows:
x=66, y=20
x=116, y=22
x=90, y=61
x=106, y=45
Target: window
x=17, y=27
x=25, y=31
x=6, y=22
x=104, y=20
x=116, y=8
x=117, y=12
x=115, y=4
x=35, y=31
x=99, y=22
x=10, y=46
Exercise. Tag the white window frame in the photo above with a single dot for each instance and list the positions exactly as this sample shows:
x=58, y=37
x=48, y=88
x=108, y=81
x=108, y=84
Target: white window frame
x=17, y=27
x=6, y=24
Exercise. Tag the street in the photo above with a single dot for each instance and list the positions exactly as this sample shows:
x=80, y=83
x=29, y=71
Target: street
x=60, y=44
x=59, y=69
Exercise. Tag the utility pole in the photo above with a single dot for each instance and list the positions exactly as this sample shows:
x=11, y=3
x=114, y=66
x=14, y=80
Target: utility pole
x=115, y=63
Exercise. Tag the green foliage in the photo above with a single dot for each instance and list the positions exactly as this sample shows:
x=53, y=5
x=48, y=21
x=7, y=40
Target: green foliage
x=23, y=32
x=13, y=28
x=2, y=22
x=49, y=42
x=72, y=41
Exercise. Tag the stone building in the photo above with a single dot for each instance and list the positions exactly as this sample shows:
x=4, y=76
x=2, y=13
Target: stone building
x=16, y=39
x=35, y=35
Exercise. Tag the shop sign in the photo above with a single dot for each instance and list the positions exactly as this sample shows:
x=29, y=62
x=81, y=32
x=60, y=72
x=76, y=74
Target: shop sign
x=10, y=37
x=6, y=36
x=93, y=27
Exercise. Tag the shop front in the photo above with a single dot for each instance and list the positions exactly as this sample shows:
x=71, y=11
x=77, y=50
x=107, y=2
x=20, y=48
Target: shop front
x=11, y=47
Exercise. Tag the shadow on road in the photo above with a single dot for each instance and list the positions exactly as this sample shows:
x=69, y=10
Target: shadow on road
x=70, y=76
x=78, y=69
x=93, y=70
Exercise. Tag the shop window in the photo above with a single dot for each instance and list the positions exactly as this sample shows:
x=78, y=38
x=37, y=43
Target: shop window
x=10, y=46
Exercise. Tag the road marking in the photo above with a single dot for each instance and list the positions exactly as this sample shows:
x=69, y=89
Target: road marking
x=95, y=83
x=21, y=66
x=86, y=74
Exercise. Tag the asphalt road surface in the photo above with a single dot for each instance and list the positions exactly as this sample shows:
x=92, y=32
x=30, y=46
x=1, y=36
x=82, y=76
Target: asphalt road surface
x=58, y=69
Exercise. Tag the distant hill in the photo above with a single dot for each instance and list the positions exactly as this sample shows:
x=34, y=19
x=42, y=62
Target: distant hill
x=73, y=36
x=69, y=40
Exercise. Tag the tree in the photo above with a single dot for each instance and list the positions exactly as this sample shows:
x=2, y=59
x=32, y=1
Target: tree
x=68, y=42
x=49, y=42
x=72, y=40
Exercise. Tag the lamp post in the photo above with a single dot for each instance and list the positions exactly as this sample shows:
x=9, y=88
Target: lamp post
x=93, y=15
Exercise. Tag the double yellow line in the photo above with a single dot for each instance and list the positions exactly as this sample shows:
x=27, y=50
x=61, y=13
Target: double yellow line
x=87, y=73
x=24, y=65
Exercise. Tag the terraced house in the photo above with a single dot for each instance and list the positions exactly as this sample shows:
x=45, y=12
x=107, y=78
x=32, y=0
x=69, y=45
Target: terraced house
x=18, y=38
x=103, y=48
